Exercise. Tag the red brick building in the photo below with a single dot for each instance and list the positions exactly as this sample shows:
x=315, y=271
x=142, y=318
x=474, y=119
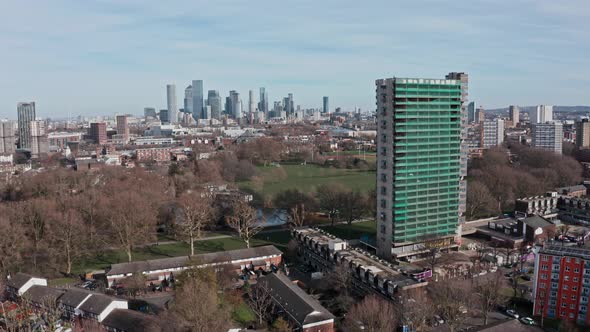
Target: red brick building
x=561, y=286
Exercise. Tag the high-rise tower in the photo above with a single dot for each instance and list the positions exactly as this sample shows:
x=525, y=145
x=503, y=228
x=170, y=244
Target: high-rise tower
x=188, y=99
x=263, y=103
x=421, y=162
x=26, y=114
x=198, y=100
x=214, y=101
x=251, y=103
x=326, y=108
x=171, y=102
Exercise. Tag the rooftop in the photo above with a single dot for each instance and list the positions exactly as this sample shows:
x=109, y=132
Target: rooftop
x=300, y=305
x=42, y=294
x=559, y=250
x=97, y=303
x=18, y=280
x=130, y=321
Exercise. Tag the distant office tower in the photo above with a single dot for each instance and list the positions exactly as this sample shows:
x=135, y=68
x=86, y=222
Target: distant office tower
x=263, y=103
x=251, y=102
x=277, y=109
x=547, y=136
x=492, y=133
x=171, y=102
x=583, y=134
x=480, y=115
x=26, y=114
x=228, y=111
x=420, y=172
x=236, y=104
x=7, y=137
x=290, y=105
x=471, y=110
x=514, y=114
x=39, y=141
x=150, y=112
x=198, y=100
x=214, y=100
x=188, y=99
x=541, y=114
x=326, y=108
x=98, y=132
x=123, y=127
x=164, y=116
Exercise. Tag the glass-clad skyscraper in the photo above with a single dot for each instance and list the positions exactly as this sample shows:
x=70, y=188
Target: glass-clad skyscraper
x=420, y=167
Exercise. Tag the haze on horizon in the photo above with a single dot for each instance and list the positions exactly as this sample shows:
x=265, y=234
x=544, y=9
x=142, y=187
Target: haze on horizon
x=113, y=56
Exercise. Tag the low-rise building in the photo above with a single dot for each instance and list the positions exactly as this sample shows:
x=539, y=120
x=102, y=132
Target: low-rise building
x=370, y=273
x=573, y=191
x=159, y=269
x=545, y=206
x=18, y=284
x=98, y=307
x=305, y=312
x=153, y=154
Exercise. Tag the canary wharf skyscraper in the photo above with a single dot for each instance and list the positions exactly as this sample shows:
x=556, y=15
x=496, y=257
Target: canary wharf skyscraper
x=421, y=169
x=198, y=100
x=171, y=102
x=26, y=114
x=214, y=101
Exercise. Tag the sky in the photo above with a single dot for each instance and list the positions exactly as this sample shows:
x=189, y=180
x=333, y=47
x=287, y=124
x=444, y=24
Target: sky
x=104, y=57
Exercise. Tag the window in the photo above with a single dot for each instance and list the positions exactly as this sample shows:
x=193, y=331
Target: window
x=573, y=297
x=577, y=261
x=545, y=258
x=383, y=229
x=572, y=314
x=543, y=275
x=577, y=270
x=545, y=267
x=568, y=259
x=383, y=190
x=563, y=305
x=566, y=287
x=566, y=278
x=541, y=285
x=574, y=288
x=567, y=268
x=564, y=296
x=576, y=279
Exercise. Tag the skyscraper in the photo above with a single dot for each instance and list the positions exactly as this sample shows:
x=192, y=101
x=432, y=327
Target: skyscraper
x=547, y=136
x=541, y=114
x=198, y=100
x=514, y=114
x=188, y=99
x=263, y=103
x=171, y=102
x=26, y=114
x=164, y=116
x=149, y=112
x=326, y=108
x=7, y=137
x=236, y=104
x=420, y=161
x=214, y=100
x=583, y=134
x=251, y=103
x=123, y=127
x=471, y=109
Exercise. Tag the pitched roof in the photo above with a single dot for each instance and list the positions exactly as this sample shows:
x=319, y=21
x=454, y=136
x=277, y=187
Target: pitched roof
x=97, y=303
x=40, y=294
x=536, y=221
x=294, y=300
x=571, y=188
x=183, y=261
x=130, y=321
x=73, y=297
x=18, y=280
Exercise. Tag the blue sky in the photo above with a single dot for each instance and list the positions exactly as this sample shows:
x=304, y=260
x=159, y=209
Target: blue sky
x=102, y=57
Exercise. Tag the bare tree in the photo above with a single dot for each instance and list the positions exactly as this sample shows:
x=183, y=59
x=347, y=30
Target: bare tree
x=243, y=220
x=354, y=205
x=261, y=301
x=487, y=292
x=415, y=309
x=132, y=220
x=65, y=235
x=331, y=199
x=11, y=247
x=451, y=298
x=198, y=306
x=372, y=315
x=197, y=214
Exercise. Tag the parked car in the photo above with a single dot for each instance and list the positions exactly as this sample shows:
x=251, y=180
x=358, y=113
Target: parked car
x=526, y=277
x=512, y=313
x=438, y=319
x=527, y=321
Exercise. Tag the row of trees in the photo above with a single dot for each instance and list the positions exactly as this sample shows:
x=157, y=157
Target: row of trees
x=496, y=180
x=337, y=201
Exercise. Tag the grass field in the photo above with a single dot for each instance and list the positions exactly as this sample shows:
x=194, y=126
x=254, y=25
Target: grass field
x=352, y=232
x=279, y=239
x=309, y=177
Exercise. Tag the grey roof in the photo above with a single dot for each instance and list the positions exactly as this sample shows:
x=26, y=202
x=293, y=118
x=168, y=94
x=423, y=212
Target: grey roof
x=296, y=302
x=572, y=188
x=18, y=280
x=182, y=261
x=97, y=303
x=560, y=250
x=73, y=297
x=41, y=294
x=536, y=221
x=130, y=321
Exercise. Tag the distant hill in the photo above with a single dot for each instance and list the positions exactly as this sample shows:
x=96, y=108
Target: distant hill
x=558, y=109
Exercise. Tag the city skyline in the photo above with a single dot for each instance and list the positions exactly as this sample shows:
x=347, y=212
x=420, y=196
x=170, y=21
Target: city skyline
x=522, y=53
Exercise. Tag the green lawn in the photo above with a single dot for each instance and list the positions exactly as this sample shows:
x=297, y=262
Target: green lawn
x=352, y=232
x=278, y=239
x=309, y=177
x=243, y=315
